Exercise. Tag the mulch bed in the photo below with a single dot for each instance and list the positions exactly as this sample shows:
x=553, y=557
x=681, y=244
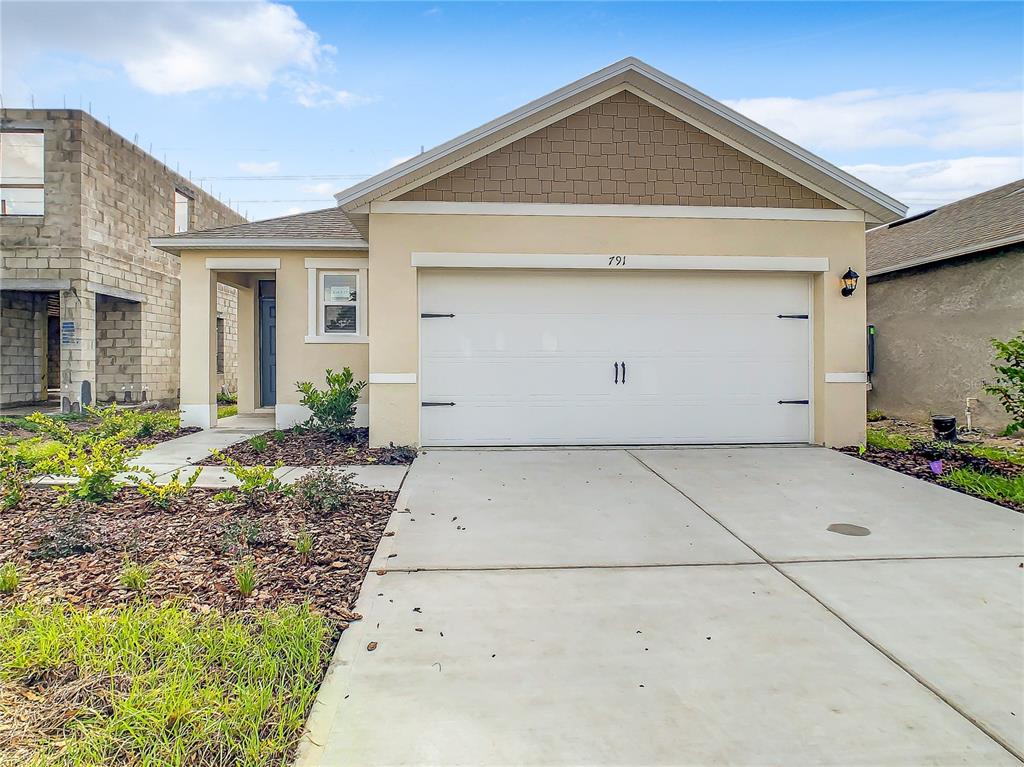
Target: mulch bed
x=298, y=447
x=914, y=463
x=161, y=436
x=76, y=553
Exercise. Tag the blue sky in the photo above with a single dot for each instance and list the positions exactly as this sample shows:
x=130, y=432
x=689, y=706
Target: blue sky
x=277, y=106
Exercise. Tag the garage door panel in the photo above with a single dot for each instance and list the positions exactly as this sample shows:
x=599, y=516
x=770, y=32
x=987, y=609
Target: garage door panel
x=528, y=357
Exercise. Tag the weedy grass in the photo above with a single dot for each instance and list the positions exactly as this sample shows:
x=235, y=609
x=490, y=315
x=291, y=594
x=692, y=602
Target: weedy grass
x=303, y=544
x=995, y=487
x=134, y=576
x=993, y=453
x=161, y=685
x=9, y=578
x=886, y=440
x=245, y=577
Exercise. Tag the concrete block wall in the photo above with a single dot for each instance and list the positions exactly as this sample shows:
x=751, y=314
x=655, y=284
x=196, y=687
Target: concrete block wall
x=23, y=346
x=623, y=150
x=104, y=197
x=227, y=307
x=118, y=350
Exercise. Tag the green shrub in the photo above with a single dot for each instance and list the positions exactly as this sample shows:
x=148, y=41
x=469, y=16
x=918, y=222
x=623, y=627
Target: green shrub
x=226, y=496
x=9, y=578
x=245, y=577
x=164, y=496
x=333, y=410
x=255, y=483
x=68, y=539
x=134, y=576
x=1008, y=387
x=995, y=487
x=324, y=490
x=94, y=458
x=125, y=422
x=238, y=536
x=875, y=415
x=258, y=443
x=884, y=440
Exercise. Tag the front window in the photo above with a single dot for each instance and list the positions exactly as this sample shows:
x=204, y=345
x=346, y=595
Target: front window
x=339, y=302
x=182, y=212
x=21, y=173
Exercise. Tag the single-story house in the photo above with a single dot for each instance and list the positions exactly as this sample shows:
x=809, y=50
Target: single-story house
x=942, y=284
x=623, y=261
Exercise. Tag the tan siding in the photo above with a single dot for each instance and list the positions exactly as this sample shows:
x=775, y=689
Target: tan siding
x=621, y=150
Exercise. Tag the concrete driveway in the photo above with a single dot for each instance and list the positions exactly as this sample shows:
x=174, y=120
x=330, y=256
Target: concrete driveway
x=680, y=607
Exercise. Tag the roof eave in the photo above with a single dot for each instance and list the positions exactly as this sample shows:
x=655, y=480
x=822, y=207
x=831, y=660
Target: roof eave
x=176, y=245
x=946, y=255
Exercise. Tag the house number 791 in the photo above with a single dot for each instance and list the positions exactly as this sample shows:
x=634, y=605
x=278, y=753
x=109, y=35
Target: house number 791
x=616, y=261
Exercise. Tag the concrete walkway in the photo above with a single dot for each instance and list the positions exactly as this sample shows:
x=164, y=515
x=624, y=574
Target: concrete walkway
x=181, y=455
x=680, y=607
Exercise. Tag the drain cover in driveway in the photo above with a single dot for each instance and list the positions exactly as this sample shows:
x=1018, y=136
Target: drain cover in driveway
x=844, y=529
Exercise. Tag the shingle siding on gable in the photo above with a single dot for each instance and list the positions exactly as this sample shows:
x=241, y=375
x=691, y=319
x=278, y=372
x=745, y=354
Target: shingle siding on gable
x=621, y=150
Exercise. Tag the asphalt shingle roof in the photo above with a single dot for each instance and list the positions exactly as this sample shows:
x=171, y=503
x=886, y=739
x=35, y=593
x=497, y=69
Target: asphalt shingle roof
x=326, y=224
x=962, y=227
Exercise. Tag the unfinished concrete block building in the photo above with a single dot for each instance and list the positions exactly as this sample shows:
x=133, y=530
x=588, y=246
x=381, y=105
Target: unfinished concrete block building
x=87, y=308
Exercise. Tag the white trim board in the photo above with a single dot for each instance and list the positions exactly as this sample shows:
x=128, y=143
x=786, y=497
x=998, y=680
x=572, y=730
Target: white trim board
x=244, y=264
x=846, y=377
x=392, y=378
x=619, y=211
x=172, y=244
x=337, y=263
x=618, y=262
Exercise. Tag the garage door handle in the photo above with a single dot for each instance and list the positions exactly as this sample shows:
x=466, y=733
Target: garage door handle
x=616, y=372
x=623, y=372
x=429, y=315
x=794, y=402
x=437, y=404
x=792, y=316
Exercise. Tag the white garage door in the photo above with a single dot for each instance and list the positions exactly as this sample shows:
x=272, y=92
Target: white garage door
x=590, y=357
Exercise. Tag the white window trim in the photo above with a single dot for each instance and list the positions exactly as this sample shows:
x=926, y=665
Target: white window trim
x=316, y=269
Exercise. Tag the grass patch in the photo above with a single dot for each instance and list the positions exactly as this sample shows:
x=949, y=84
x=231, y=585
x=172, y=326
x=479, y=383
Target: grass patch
x=161, y=685
x=875, y=415
x=995, y=487
x=226, y=411
x=994, y=453
x=881, y=439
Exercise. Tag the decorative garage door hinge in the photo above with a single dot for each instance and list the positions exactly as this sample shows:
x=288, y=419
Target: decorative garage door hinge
x=793, y=316
x=429, y=315
x=438, y=404
x=794, y=402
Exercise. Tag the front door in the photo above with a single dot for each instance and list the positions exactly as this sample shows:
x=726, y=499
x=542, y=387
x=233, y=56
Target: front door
x=268, y=347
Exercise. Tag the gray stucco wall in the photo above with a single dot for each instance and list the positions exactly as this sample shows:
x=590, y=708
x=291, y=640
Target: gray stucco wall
x=933, y=328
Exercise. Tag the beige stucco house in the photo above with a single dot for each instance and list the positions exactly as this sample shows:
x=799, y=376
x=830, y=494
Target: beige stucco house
x=624, y=260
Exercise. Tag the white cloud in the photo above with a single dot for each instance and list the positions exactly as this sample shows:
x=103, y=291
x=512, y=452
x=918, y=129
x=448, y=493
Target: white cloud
x=943, y=120
x=171, y=48
x=399, y=160
x=324, y=187
x=259, y=168
x=925, y=185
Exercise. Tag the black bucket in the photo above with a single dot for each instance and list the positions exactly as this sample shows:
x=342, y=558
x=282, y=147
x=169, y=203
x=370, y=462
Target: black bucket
x=944, y=427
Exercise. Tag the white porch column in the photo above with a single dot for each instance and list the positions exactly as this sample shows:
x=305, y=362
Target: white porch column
x=198, y=342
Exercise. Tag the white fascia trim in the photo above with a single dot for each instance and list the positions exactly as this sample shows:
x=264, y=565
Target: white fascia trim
x=392, y=378
x=255, y=243
x=964, y=251
x=621, y=211
x=618, y=263
x=846, y=377
x=337, y=263
x=286, y=416
x=244, y=264
x=609, y=73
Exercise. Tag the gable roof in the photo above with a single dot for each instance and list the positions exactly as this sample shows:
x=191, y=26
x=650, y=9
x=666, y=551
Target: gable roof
x=649, y=83
x=988, y=220
x=327, y=228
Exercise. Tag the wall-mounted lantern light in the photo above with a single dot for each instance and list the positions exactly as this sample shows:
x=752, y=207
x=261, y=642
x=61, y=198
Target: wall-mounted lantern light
x=849, y=281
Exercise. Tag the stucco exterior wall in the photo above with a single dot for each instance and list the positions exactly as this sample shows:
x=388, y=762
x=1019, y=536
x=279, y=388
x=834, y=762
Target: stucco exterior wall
x=838, y=323
x=933, y=329
x=621, y=150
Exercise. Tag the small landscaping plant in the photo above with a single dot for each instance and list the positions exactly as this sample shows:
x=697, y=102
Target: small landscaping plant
x=239, y=535
x=9, y=578
x=875, y=415
x=333, y=409
x=116, y=421
x=226, y=496
x=303, y=545
x=1008, y=387
x=324, y=490
x=134, y=576
x=245, y=577
x=255, y=483
x=166, y=495
x=68, y=539
x=258, y=443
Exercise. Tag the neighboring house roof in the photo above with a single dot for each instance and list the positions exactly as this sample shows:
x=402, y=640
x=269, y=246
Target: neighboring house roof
x=327, y=228
x=630, y=74
x=988, y=220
